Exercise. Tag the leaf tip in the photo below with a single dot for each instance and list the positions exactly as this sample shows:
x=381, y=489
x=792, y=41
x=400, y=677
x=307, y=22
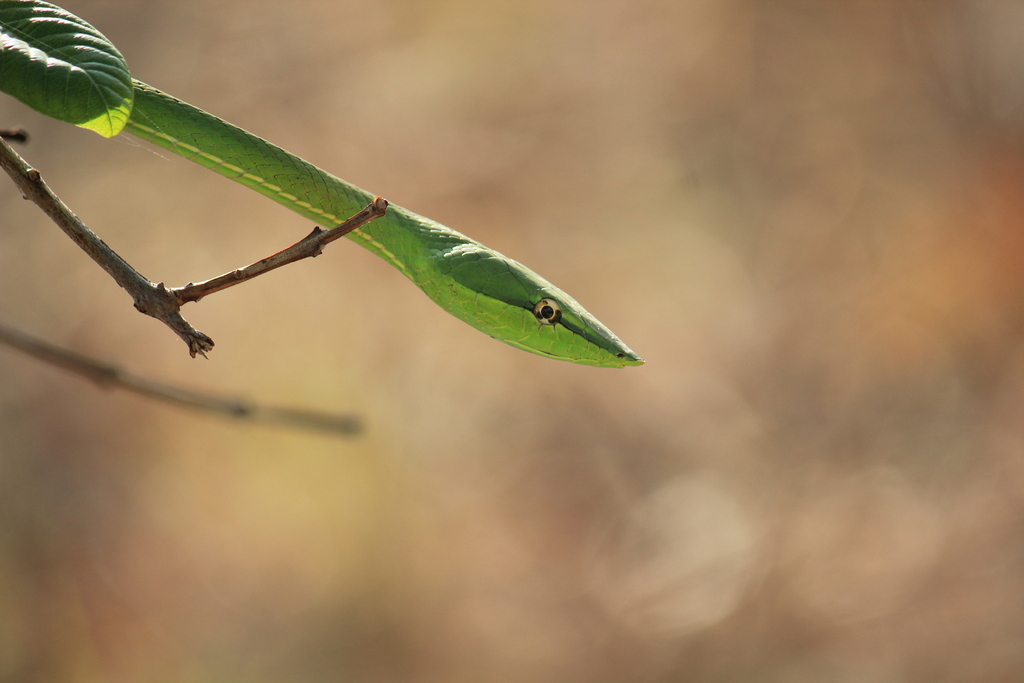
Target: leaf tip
x=109, y=123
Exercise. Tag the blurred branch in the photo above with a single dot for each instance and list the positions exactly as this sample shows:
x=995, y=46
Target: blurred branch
x=154, y=299
x=110, y=376
x=14, y=134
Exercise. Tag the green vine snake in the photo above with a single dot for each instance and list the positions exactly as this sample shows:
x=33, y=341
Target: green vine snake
x=491, y=292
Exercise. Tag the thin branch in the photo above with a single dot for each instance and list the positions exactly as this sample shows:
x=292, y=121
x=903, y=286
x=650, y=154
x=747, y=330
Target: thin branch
x=110, y=376
x=310, y=246
x=154, y=299
x=150, y=298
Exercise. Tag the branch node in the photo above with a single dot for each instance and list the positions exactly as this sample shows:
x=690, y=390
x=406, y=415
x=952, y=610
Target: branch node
x=156, y=299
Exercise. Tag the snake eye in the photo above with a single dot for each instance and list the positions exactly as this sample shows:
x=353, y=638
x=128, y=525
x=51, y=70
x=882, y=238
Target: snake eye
x=547, y=311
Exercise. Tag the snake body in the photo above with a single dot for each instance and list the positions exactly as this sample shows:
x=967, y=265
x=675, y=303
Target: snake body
x=478, y=285
x=62, y=66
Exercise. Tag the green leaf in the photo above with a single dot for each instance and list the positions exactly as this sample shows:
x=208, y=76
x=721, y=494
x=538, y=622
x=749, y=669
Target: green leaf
x=61, y=66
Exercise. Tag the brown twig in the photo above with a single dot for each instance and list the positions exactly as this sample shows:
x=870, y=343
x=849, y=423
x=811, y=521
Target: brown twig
x=150, y=298
x=111, y=377
x=154, y=299
x=310, y=246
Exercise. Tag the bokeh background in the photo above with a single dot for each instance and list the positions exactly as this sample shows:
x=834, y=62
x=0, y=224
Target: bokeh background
x=807, y=216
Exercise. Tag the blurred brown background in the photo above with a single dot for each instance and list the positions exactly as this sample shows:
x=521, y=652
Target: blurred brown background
x=807, y=216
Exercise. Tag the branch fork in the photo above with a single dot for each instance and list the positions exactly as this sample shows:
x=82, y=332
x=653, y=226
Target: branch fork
x=155, y=299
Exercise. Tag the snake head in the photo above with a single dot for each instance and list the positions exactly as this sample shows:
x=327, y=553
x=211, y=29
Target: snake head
x=505, y=299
